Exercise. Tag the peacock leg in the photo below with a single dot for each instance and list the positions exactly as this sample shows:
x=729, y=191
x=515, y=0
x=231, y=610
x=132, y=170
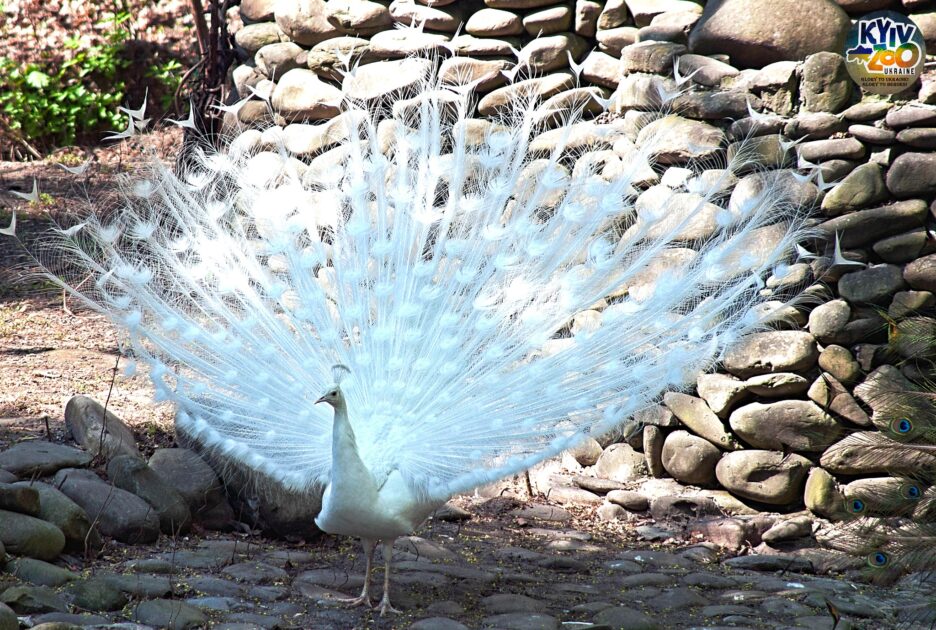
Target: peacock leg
x=385, y=606
x=364, y=598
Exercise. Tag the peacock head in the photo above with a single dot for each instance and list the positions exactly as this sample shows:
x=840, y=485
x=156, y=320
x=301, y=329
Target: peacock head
x=333, y=396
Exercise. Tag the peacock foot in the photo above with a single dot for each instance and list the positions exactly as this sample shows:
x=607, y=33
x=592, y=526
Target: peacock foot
x=351, y=602
x=385, y=607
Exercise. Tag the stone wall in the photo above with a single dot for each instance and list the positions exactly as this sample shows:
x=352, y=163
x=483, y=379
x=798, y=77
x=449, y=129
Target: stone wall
x=789, y=419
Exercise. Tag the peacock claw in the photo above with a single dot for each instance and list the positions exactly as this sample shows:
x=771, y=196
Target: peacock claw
x=385, y=607
x=351, y=602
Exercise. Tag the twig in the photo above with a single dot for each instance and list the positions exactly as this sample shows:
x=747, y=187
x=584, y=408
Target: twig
x=201, y=27
x=106, y=402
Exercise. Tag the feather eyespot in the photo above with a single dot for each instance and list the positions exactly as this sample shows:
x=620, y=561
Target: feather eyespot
x=911, y=491
x=855, y=506
x=903, y=426
x=878, y=559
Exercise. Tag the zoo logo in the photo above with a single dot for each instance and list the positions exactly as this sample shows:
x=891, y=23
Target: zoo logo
x=885, y=52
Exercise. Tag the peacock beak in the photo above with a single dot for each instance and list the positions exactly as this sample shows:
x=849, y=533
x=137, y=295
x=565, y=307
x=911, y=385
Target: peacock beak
x=322, y=399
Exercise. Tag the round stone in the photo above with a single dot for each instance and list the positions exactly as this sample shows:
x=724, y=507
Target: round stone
x=769, y=477
x=690, y=459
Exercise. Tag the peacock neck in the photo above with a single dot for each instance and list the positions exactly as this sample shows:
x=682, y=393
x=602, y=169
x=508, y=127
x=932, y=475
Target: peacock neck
x=348, y=470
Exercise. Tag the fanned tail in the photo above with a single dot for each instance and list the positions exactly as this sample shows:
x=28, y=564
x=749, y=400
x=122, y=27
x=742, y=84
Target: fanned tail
x=443, y=260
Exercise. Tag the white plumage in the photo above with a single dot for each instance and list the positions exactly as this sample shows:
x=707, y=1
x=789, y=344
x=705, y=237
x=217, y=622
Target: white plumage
x=442, y=261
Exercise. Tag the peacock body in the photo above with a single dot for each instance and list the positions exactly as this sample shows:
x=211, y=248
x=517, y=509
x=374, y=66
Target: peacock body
x=441, y=259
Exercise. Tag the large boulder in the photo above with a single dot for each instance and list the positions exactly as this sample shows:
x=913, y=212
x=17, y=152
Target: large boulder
x=133, y=475
x=28, y=536
x=118, y=513
x=756, y=33
x=68, y=516
x=199, y=485
x=85, y=419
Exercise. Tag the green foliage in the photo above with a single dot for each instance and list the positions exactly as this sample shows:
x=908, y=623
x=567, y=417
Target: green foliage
x=51, y=103
x=169, y=75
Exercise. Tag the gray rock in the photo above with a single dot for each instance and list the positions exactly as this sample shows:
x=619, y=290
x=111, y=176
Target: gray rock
x=872, y=135
x=602, y=69
x=778, y=385
x=327, y=58
x=494, y=23
x=643, y=12
x=870, y=452
x=867, y=110
x=255, y=572
x=873, y=285
x=7, y=477
x=521, y=621
x=825, y=85
x=912, y=175
x=305, y=21
x=438, y=623
x=39, y=572
x=776, y=351
x=510, y=603
x=116, y=512
x=822, y=150
x=548, y=21
x=486, y=73
x=27, y=600
x=195, y=480
x=8, y=620
x=827, y=392
x=435, y=18
x=695, y=414
x=671, y=26
x=764, y=151
x=706, y=71
x=22, y=499
x=721, y=392
x=68, y=516
x=815, y=125
x=918, y=138
x=97, y=595
x=653, y=440
x=168, y=613
x=587, y=452
x=586, y=17
x=614, y=40
x=133, y=475
x=910, y=116
x=865, y=226
x=257, y=10
x=788, y=529
x=910, y=302
x=141, y=586
x=37, y=458
x=676, y=140
x=620, y=617
x=798, y=425
x=921, y=273
x=358, y=17
x=714, y=106
x=756, y=35
x=394, y=44
x=827, y=321
x=630, y=500
x=766, y=476
x=650, y=56
x=905, y=247
x=471, y=46
x=540, y=87
x=860, y=188
x=85, y=420
x=779, y=562
x=253, y=37
x=619, y=462
x=275, y=60
x=775, y=84
x=379, y=80
x=551, y=52
x=690, y=459
x=840, y=363
x=28, y=536
x=301, y=95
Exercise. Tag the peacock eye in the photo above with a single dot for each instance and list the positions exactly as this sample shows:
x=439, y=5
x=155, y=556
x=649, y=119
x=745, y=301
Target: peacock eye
x=911, y=491
x=902, y=426
x=856, y=506
x=878, y=559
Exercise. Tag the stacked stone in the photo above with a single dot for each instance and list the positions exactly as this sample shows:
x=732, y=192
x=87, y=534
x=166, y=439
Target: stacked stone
x=52, y=503
x=777, y=425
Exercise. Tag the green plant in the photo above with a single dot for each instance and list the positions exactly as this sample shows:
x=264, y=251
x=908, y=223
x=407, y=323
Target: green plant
x=50, y=103
x=169, y=75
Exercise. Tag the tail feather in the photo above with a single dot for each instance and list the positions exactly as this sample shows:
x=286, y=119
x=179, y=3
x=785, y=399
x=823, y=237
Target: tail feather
x=444, y=270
